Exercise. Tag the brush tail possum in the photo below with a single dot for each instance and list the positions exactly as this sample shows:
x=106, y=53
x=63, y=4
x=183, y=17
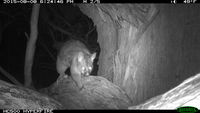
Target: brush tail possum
x=75, y=55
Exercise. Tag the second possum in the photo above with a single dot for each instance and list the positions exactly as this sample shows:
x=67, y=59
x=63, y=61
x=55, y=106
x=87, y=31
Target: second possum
x=75, y=55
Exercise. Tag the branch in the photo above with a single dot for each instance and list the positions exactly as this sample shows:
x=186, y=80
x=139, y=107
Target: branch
x=30, y=50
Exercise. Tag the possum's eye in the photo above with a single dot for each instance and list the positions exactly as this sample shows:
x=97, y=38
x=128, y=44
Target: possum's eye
x=90, y=68
x=83, y=69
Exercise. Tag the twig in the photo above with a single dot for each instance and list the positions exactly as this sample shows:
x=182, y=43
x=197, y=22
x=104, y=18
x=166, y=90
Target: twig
x=44, y=46
x=10, y=77
x=60, y=29
x=59, y=16
x=48, y=51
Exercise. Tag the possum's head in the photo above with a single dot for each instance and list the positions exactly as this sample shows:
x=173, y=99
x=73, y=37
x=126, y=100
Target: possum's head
x=86, y=62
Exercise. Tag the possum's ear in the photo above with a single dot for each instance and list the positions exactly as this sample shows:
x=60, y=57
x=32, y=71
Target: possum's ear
x=80, y=57
x=93, y=56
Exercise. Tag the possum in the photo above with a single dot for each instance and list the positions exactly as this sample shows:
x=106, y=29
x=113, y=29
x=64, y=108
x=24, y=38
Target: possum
x=76, y=56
